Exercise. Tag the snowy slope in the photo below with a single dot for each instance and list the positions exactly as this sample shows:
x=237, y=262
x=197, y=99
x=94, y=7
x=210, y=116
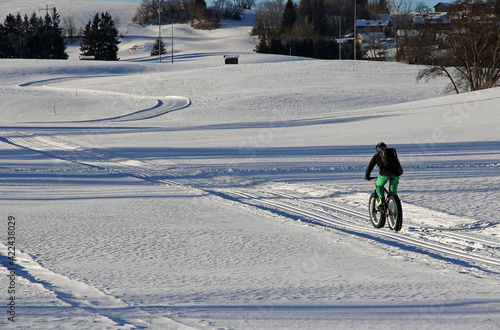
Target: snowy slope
x=196, y=194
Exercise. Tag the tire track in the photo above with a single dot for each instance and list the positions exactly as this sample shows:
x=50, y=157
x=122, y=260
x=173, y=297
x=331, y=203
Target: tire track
x=416, y=240
x=402, y=240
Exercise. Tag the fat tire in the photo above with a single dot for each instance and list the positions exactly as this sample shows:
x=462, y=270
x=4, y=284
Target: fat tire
x=394, y=217
x=377, y=217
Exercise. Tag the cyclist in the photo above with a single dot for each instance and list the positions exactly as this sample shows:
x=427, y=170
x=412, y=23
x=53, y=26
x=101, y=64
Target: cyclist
x=388, y=172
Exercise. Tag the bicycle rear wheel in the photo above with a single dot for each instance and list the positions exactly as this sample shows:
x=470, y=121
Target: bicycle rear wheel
x=377, y=217
x=394, y=213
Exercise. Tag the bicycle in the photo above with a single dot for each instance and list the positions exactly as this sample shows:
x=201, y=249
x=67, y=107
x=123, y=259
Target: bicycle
x=389, y=210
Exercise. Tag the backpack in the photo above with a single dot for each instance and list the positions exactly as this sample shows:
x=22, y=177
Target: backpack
x=391, y=161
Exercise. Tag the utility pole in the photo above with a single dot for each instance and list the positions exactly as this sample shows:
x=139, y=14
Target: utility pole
x=172, y=40
x=159, y=32
x=340, y=36
x=355, y=35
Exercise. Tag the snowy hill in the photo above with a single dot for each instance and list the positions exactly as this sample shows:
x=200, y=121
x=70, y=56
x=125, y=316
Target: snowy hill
x=196, y=194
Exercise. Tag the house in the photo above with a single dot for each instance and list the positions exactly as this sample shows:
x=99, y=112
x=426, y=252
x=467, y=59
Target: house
x=366, y=25
x=442, y=7
x=370, y=38
x=437, y=18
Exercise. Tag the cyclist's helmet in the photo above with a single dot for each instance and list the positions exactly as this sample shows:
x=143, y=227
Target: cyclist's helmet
x=381, y=145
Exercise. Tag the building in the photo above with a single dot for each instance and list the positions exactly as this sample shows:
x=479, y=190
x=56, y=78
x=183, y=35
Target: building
x=442, y=7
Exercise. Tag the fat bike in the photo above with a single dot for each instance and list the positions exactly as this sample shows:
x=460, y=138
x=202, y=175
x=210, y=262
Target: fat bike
x=389, y=211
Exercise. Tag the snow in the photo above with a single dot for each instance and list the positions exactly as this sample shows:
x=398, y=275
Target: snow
x=201, y=195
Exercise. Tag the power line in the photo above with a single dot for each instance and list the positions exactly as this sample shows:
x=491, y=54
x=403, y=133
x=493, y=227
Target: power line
x=46, y=9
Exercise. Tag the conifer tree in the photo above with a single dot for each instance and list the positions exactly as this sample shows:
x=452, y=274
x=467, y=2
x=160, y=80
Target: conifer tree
x=100, y=38
x=289, y=16
x=11, y=37
x=56, y=37
x=157, y=47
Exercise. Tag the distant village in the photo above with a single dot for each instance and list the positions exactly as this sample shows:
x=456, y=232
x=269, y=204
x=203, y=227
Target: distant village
x=377, y=39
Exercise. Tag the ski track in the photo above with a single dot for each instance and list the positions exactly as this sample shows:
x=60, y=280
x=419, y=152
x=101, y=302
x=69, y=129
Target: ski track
x=85, y=297
x=413, y=239
x=164, y=105
x=457, y=248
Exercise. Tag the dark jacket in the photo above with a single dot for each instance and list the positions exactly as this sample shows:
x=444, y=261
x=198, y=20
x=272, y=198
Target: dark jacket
x=377, y=160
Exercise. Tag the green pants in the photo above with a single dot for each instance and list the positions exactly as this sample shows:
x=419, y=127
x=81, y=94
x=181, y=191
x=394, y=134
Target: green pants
x=393, y=185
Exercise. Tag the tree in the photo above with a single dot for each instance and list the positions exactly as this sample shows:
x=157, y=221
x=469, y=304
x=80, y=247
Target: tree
x=268, y=22
x=100, y=38
x=382, y=6
x=157, y=47
x=401, y=24
x=55, y=37
x=289, y=16
x=422, y=8
x=149, y=10
x=11, y=38
x=468, y=49
x=70, y=27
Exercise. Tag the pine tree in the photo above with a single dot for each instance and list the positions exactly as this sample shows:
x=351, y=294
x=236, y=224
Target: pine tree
x=57, y=45
x=11, y=37
x=156, y=50
x=100, y=38
x=88, y=43
x=289, y=16
x=109, y=38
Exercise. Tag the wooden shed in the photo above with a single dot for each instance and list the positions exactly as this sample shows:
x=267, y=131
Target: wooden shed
x=231, y=59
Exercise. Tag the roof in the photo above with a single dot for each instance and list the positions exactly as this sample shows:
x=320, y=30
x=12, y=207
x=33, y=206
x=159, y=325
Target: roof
x=371, y=36
x=368, y=22
x=446, y=4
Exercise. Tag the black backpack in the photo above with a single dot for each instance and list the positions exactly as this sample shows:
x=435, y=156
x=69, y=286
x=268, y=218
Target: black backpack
x=390, y=160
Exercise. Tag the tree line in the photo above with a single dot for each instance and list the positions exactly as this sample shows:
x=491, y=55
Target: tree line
x=43, y=37
x=311, y=27
x=464, y=47
x=32, y=37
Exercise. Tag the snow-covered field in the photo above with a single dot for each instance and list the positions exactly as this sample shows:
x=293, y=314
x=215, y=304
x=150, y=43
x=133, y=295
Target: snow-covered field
x=196, y=194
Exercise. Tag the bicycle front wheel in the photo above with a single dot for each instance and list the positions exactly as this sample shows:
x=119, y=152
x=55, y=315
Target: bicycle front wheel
x=394, y=213
x=376, y=216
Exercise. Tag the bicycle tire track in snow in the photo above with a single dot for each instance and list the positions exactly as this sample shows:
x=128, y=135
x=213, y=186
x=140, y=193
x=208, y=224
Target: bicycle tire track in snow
x=414, y=239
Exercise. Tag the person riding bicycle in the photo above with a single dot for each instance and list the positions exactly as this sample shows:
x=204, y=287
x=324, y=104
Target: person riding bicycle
x=389, y=170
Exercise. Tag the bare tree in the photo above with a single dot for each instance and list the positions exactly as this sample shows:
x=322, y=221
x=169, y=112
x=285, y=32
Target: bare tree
x=467, y=50
x=422, y=8
x=268, y=17
x=148, y=11
x=401, y=22
x=70, y=27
